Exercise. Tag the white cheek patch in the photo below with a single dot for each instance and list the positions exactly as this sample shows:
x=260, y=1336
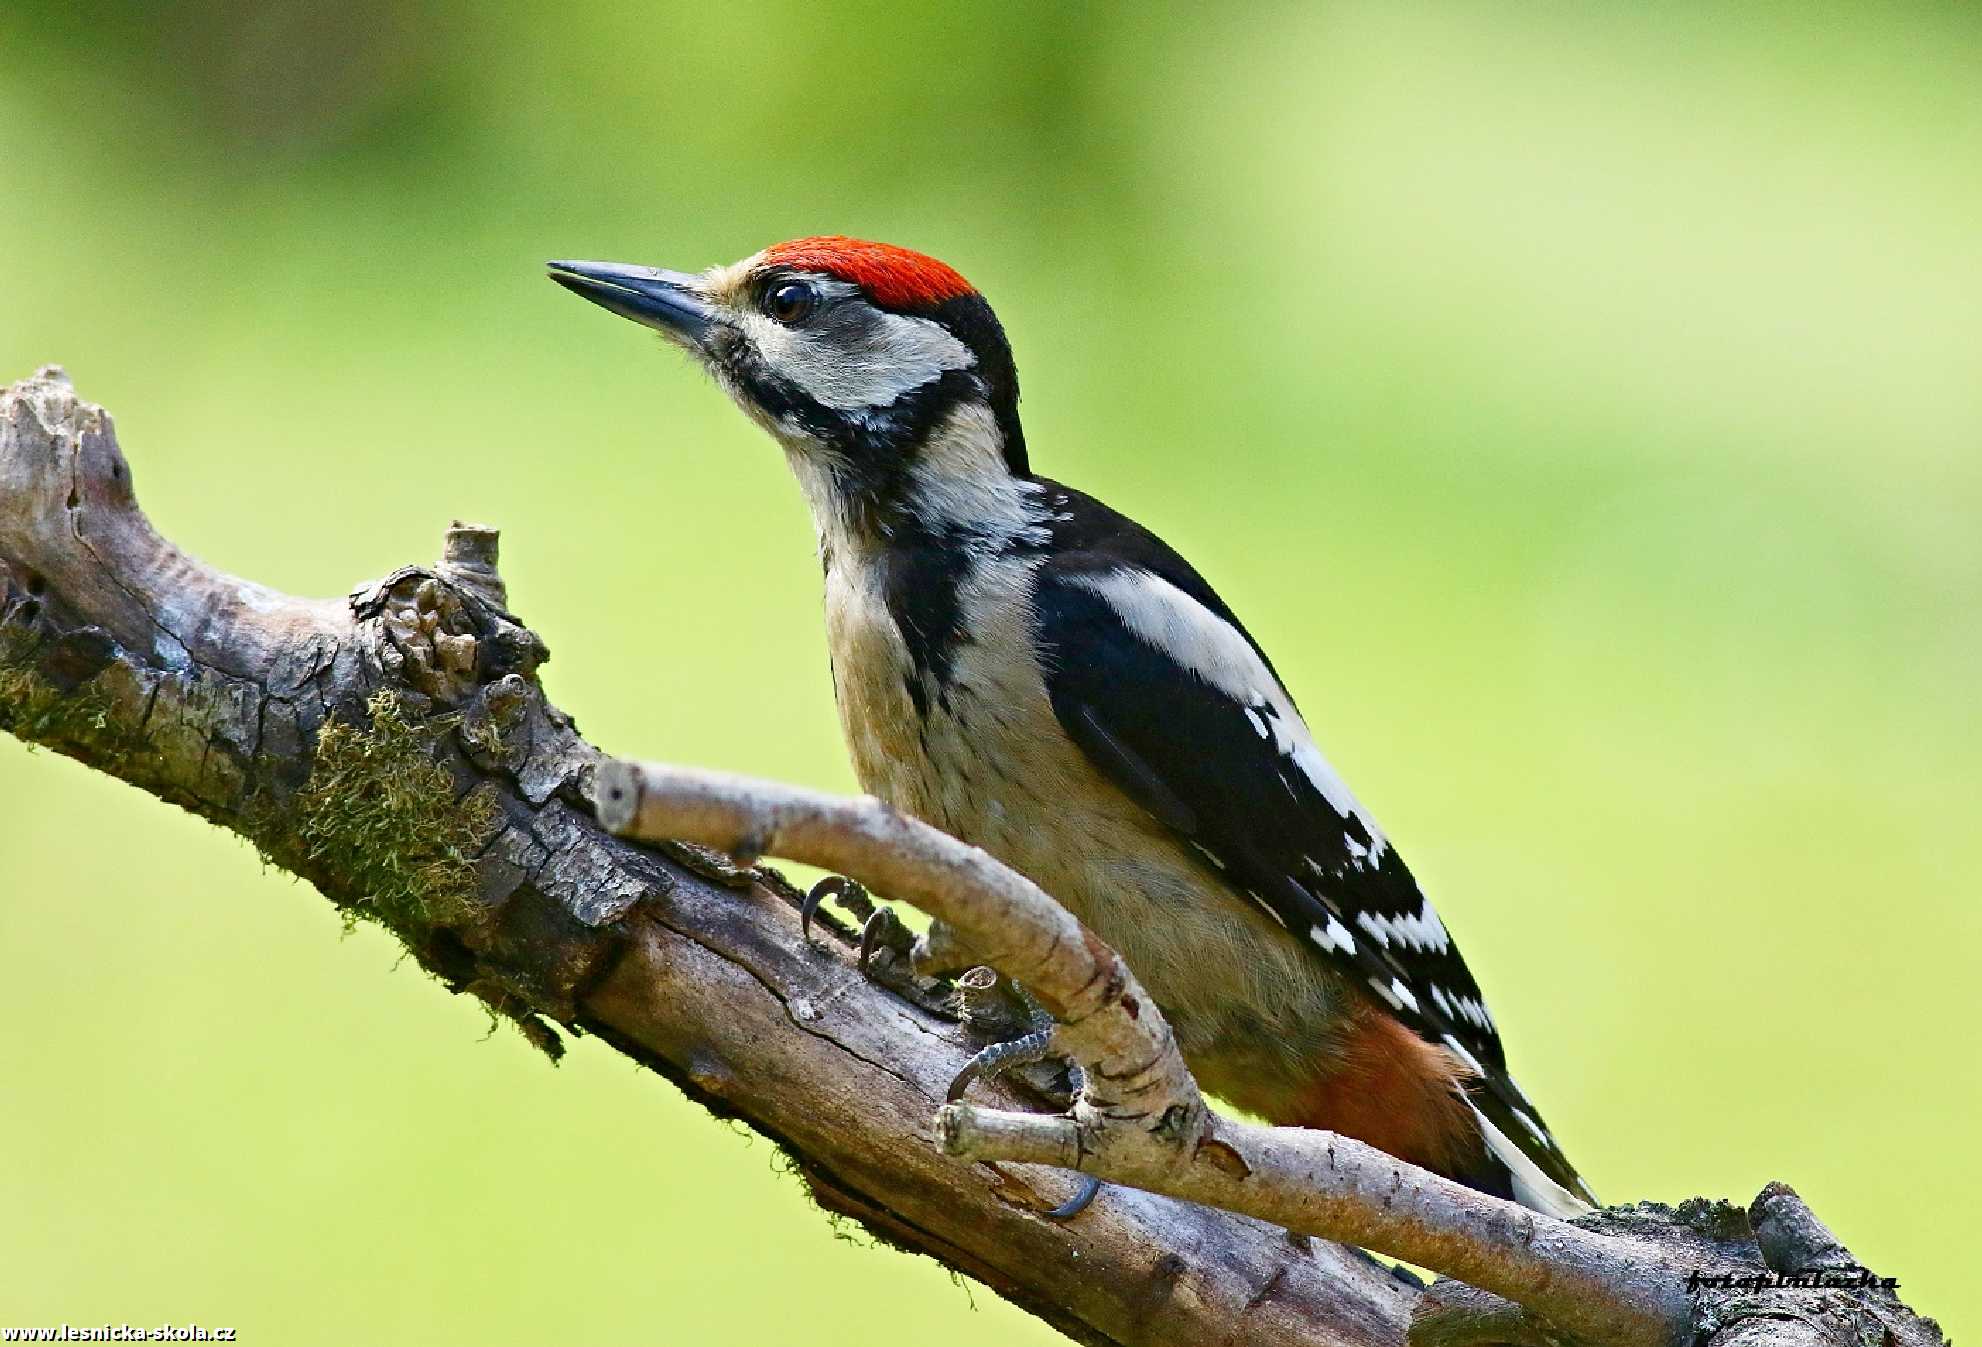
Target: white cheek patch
x=869, y=365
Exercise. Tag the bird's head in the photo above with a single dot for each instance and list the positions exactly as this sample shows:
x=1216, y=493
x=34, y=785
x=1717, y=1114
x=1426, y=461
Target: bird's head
x=877, y=368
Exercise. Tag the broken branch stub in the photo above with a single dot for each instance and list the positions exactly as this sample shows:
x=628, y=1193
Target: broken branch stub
x=397, y=749
x=402, y=736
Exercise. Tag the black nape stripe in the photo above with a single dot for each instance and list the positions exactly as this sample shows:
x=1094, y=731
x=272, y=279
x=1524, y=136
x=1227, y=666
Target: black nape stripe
x=970, y=318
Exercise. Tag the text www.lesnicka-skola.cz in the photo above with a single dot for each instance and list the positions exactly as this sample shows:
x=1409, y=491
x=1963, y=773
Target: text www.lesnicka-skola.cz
x=118, y=1333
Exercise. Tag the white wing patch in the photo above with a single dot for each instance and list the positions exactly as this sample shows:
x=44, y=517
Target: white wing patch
x=1334, y=936
x=1535, y=1129
x=1423, y=932
x=1412, y=944
x=1395, y=994
x=1458, y=1049
x=1198, y=639
x=1473, y=1012
x=1265, y=906
x=1369, y=922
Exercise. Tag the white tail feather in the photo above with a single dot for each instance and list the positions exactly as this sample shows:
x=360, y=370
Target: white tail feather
x=1532, y=1188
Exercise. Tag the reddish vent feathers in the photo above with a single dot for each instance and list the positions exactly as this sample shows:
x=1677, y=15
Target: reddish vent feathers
x=891, y=276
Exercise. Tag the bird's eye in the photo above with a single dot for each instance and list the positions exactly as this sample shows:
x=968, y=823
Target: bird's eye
x=791, y=301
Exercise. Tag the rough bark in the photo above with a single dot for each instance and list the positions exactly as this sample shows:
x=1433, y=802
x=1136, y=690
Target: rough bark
x=1140, y=1119
x=396, y=749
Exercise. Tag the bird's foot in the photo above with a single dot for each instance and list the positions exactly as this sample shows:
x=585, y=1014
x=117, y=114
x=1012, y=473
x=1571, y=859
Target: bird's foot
x=990, y=1003
x=1036, y=1044
x=880, y=928
x=998, y=1058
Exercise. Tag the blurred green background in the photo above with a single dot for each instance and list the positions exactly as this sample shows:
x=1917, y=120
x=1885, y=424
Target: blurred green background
x=1580, y=401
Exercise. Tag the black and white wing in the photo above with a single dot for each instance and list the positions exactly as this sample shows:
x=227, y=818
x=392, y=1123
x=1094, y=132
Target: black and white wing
x=1170, y=698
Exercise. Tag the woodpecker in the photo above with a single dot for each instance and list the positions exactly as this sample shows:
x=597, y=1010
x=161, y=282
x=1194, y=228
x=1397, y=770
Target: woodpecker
x=1029, y=670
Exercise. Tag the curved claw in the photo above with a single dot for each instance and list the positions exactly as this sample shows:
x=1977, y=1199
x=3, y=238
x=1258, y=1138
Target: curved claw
x=883, y=930
x=1076, y=1204
x=870, y=937
x=832, y=886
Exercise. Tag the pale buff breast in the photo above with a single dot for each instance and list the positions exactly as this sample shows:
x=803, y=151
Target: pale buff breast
x=990, y=765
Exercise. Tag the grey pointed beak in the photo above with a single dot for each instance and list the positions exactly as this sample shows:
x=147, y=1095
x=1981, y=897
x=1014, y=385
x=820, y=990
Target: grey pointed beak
x=670, y=302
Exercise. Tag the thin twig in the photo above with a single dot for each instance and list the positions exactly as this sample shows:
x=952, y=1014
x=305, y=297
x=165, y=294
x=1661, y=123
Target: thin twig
x=218, y=694
x=1141, y=1120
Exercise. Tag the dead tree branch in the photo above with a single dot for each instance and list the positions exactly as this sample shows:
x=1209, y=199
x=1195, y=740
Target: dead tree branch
x=396, y=748
x=1141, y=1120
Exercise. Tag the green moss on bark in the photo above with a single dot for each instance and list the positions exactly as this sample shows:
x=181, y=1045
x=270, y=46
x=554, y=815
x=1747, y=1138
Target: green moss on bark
x=381, y=814
x=37, y=712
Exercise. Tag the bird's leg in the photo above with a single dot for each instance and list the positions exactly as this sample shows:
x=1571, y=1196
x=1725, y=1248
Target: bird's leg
x=984, y=994
x=1036, y=1044
x=999, y=1058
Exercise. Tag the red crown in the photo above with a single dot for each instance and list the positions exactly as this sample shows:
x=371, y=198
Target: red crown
x=895, y=277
